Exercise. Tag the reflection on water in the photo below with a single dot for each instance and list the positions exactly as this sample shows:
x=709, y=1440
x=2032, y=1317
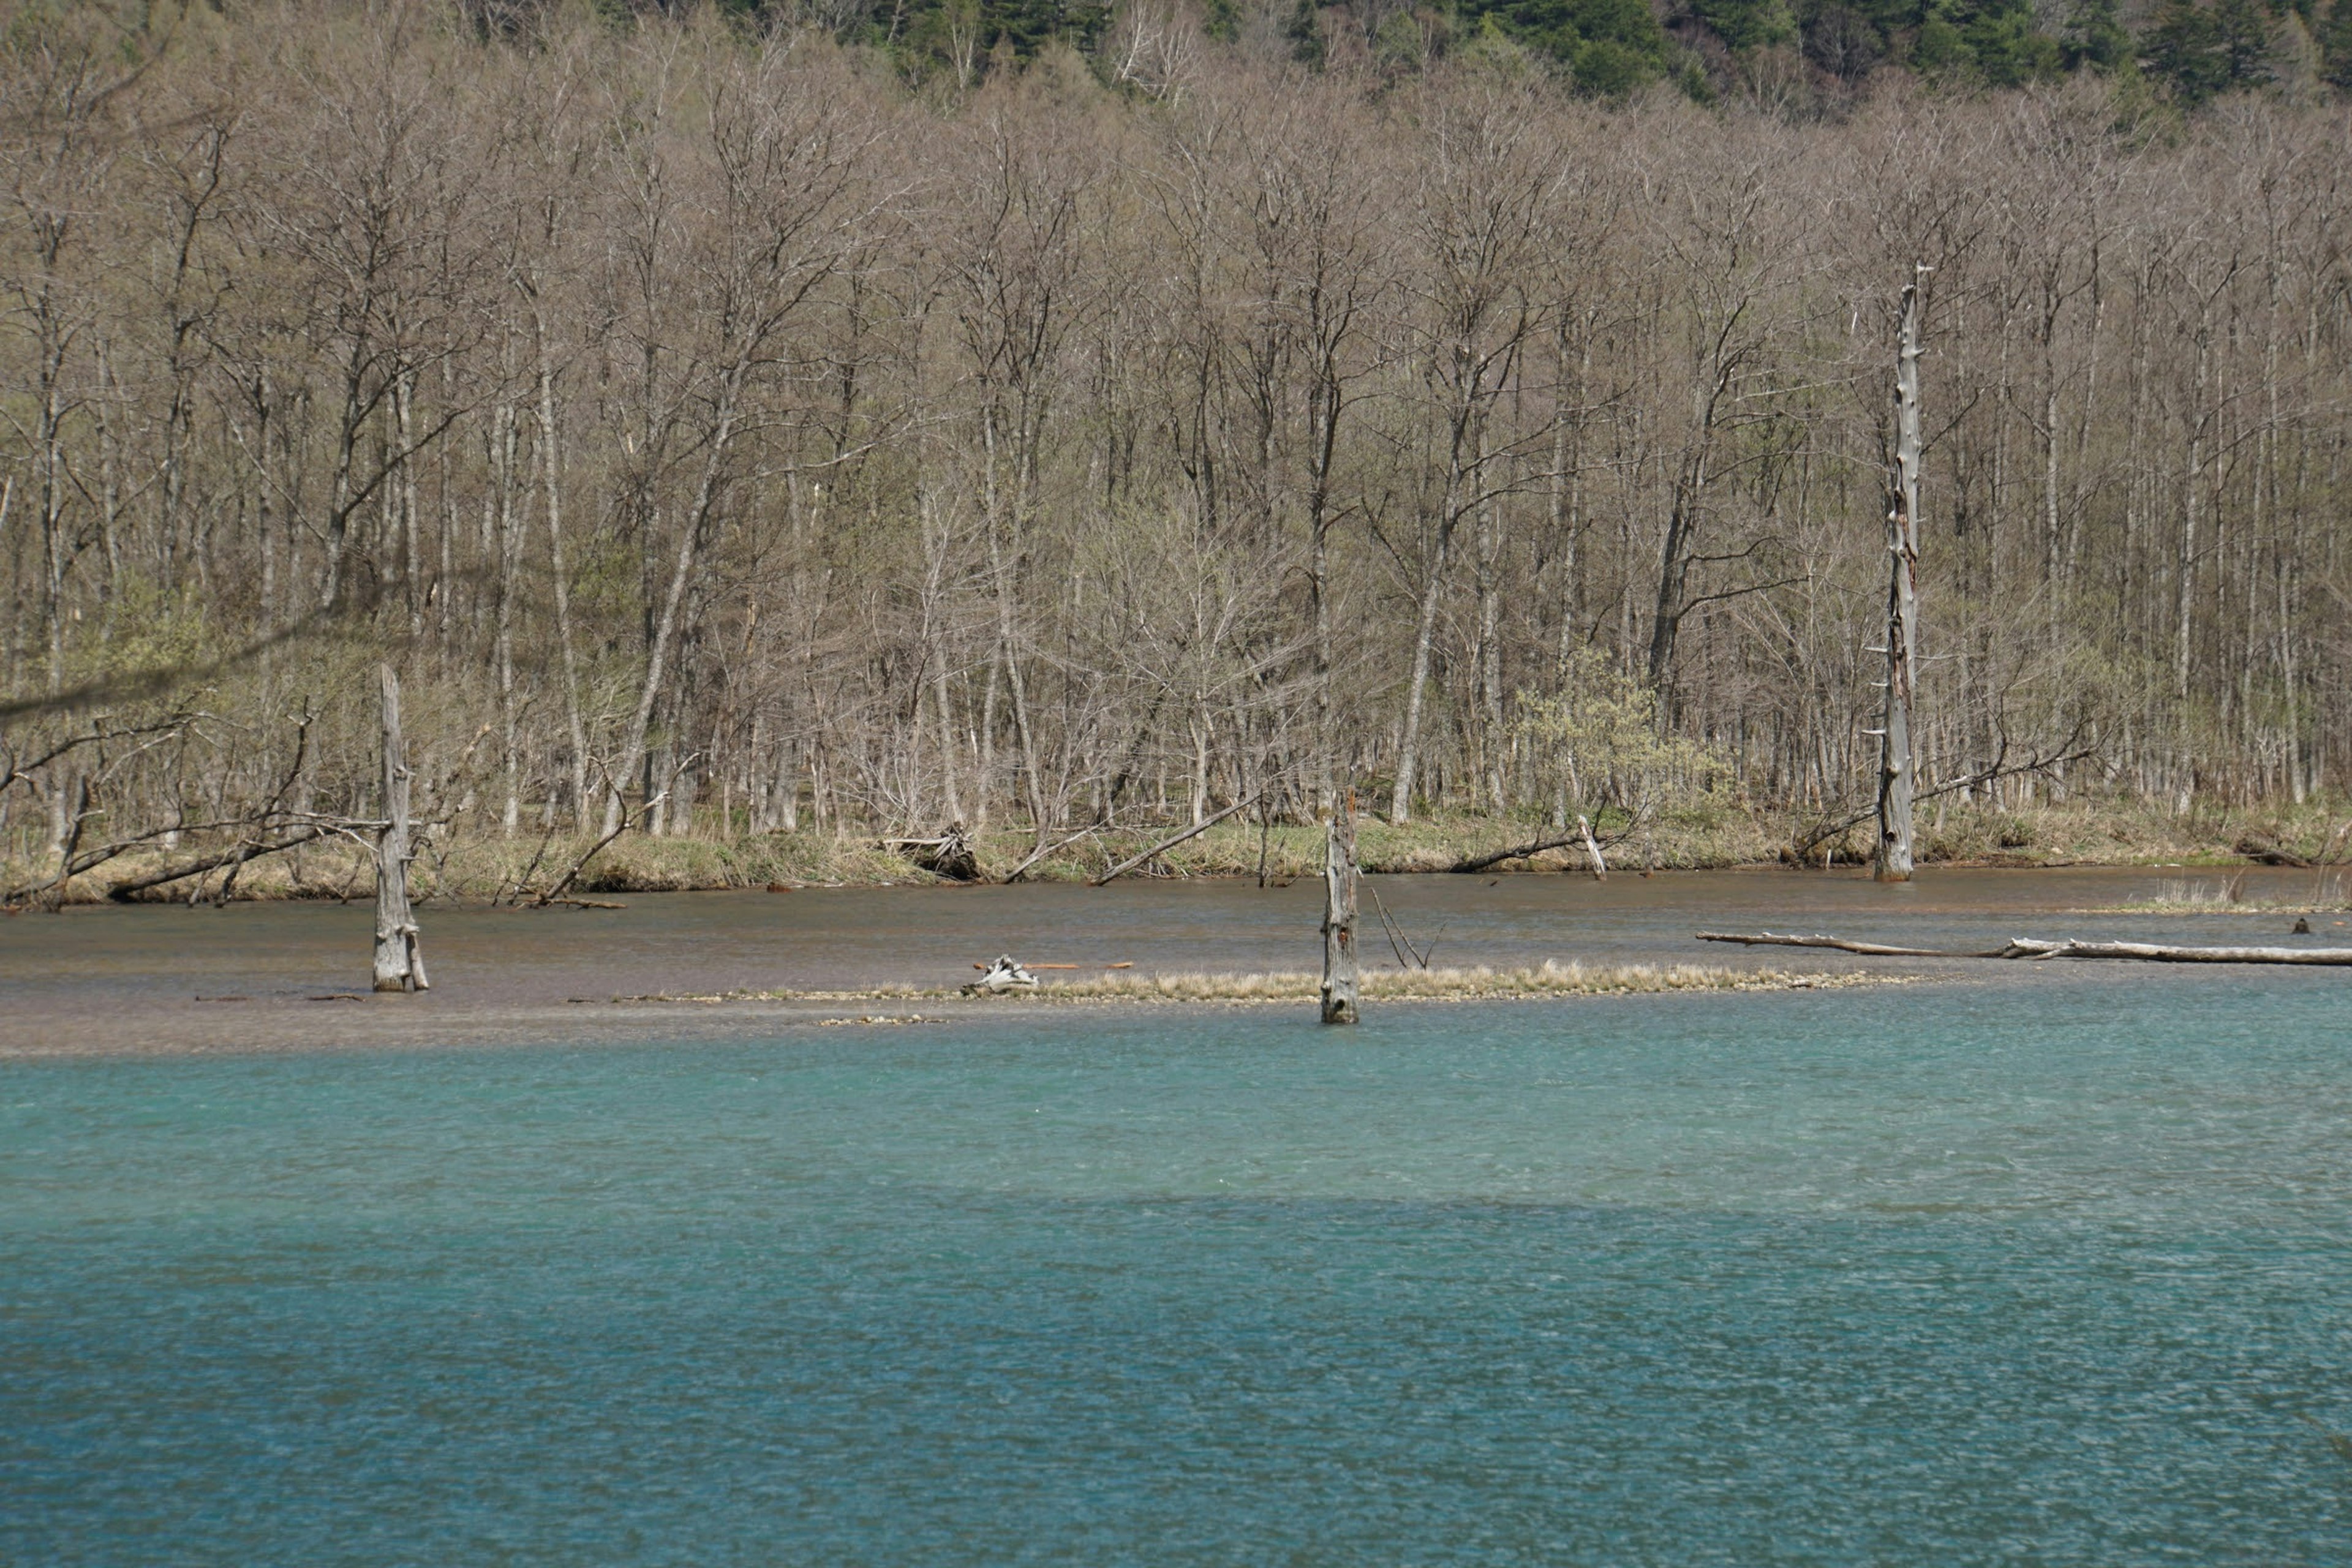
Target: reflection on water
x=1979, y=1274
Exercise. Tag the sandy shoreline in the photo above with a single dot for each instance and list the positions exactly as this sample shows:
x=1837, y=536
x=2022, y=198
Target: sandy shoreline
x=226, y=1026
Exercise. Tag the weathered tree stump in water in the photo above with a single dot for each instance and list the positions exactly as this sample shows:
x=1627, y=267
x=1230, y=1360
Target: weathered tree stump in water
x=399, y=967
x=1339, y=913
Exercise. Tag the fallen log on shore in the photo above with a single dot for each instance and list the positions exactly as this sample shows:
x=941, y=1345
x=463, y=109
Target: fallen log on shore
x=243, y=854
x=1534, y=847
x=2035, y=948
x=1124, y=866
x=1469, y=865
x=951, y=856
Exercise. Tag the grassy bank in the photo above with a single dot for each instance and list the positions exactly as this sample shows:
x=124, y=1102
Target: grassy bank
x=488, y=867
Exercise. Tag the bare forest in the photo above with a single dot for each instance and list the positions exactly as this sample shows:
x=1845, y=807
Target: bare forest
x=721, y=437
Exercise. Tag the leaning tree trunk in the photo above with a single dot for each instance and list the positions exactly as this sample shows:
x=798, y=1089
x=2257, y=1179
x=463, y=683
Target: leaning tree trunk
x=398, y=964
x=1340, y=912
x=1895, y=758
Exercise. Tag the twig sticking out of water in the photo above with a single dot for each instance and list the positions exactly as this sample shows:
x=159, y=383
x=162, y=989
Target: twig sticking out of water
x=1395, y=930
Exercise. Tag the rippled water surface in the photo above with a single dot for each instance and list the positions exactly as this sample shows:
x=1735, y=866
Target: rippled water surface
x=1954, y=1273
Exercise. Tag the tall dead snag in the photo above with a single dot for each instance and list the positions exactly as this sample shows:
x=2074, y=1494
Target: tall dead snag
x=398, y=964
x=1894, y=750
x=1340, y=912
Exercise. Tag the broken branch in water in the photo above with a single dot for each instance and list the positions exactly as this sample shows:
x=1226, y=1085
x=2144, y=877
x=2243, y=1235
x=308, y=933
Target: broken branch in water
x=1471, y=864
x=563, y=883
x=2034, y=948
x=1044, y=849
x=1124, y=866
x=2001, y=768
x=1395, y=928
x=1534, y=847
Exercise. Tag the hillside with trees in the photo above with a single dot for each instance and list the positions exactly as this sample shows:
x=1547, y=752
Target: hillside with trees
x=1044, y=417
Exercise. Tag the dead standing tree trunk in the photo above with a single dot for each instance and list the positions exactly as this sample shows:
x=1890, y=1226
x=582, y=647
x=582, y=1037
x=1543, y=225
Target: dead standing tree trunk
x=1896, y=755
x=399, y=967
x=1340, y=912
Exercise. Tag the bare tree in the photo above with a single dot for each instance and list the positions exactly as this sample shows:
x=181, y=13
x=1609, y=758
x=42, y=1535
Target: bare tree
x=1897, y=756
x=754, y=445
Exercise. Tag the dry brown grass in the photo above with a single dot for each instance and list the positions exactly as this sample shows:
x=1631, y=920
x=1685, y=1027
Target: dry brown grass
x=1479, y=982
x=1464, y=984
x=2330, y=894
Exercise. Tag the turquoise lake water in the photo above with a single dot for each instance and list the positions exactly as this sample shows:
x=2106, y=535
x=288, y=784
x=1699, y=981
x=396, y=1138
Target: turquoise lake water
x=2043, y=1272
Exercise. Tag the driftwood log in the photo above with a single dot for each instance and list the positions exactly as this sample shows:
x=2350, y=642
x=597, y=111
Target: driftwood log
x=2035, y=948
x=1045, y=848
x=244, y=854
x=1534, y=847
x=950, y=856
x=2269, y=854
x=1471, y=864
x=1005, y=974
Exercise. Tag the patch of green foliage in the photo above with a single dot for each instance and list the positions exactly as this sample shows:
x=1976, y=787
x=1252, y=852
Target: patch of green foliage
x=1603, y=739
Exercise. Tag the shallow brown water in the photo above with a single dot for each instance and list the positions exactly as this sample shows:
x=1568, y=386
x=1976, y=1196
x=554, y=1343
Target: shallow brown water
x=131, y=978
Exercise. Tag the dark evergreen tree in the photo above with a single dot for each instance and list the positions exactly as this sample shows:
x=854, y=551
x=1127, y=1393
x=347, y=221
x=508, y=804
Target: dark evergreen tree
x=1994, y=42
x=1747, y=24
x=2005, y=47
x=1609, y=47
x=2096, y=36
x=2203, y=50
x=2247, y=35
x=2335, y=35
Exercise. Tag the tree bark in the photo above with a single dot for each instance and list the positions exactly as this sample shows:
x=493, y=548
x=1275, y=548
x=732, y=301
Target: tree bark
x=1433, y=595
x=560, y=579
x=180, y=870
x=665, y=630
x=1340, y=912
x=399, y=967
x=1592, y=849
x=1897, y=755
